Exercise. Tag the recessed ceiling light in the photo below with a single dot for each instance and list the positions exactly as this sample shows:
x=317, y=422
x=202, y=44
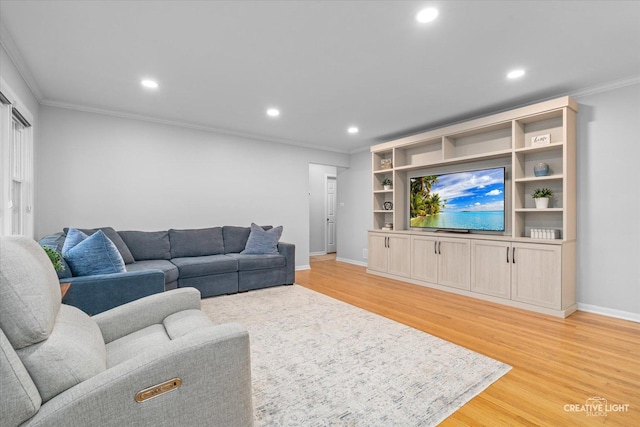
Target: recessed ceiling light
x=427, y=15
x=149, y=83
x=515, y=74
x=273, y=112
x=353, y=130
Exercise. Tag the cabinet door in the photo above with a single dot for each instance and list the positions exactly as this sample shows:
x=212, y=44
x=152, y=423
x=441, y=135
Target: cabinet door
x=399, y=248
x=424, y=258
x=536, y=274
x=491, y=268
x=377, y=252
x=454, y=263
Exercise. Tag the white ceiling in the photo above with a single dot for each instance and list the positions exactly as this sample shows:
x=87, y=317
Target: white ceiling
x=326, y=64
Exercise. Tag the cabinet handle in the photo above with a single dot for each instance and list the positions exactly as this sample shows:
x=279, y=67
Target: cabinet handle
x=439, y=245
x=507, y=255
x=386, y=242
x=435, y=247
x=513, y=257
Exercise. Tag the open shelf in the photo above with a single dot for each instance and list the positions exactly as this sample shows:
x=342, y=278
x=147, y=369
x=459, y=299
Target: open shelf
x=538, y=210
x=542, y=148
x=549, y=123
x=379, y=158
x=478, y=142
x=421, y=153
x=456, y=160
x=539, y=178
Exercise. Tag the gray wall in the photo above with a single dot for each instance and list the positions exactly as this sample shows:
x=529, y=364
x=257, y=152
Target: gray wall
x=354, y=208
x=98, y=170
x=317, y=217
x=609, y=200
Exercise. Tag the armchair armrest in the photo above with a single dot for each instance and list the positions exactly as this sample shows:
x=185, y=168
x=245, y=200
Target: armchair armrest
x=95, y=294
x=139, y=314
x=213, y=364
x=289, y=252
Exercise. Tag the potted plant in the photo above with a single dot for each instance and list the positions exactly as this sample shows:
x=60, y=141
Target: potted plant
x=541, y=197
x=387, y=184
x=54, y=256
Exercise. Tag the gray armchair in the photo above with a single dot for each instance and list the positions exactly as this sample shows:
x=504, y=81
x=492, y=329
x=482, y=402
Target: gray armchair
x=157, y=361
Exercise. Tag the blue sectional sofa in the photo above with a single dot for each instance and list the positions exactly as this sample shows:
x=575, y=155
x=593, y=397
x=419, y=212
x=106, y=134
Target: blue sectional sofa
x=208, y=259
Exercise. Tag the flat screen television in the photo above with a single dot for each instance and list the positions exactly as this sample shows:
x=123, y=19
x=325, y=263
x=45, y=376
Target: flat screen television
x=459, y=201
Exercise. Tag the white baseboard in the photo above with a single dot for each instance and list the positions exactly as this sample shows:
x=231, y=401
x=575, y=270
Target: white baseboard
x=618, y=314
x=317, y=253
x=351, y=261
x=303, y=267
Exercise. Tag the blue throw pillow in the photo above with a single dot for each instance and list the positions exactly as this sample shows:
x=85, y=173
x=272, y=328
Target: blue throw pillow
x=88, y=256
x=262, y=241
x=74, y=236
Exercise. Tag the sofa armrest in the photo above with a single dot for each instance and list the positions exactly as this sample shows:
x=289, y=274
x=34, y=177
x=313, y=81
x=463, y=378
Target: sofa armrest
x=95, y=294
x=289, y=252
x=213, y=364
x=128, y=318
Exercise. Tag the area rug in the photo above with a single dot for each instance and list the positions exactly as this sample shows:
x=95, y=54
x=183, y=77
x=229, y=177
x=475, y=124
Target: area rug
x=317, y=361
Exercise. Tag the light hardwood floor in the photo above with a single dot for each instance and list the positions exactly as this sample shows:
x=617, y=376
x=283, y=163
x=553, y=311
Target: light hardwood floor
x=556, y=362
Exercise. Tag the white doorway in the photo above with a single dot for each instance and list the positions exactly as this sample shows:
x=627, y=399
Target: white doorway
x=332, y=197
x=323, y=209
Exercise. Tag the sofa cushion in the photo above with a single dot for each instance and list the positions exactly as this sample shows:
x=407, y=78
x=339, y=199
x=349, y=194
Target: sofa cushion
x=91, y=255
x=205, y=265
x=55, y=242
x=235, y=238
x=114, y=237
x=25, y=269
x=20, y=398
x=73, y=353
x=262, y=241
x=196, y=242
x=259, y=262
x=147, y=244
x=168, y=268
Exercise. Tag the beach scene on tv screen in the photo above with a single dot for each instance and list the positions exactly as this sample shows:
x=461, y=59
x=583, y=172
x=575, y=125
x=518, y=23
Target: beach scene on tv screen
x=471, y=200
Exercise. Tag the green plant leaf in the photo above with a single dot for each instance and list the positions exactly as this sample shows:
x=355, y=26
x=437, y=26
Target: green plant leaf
x=54, y=256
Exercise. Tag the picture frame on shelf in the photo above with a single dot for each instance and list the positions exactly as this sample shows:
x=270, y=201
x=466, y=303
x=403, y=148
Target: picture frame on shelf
x=385, y=164
x=541, y=140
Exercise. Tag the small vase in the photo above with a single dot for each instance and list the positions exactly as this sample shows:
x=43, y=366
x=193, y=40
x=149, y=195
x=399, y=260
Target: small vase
x=541, y=169
x=542, y=202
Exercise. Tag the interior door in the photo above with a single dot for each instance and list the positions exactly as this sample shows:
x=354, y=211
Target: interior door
x=331, y=214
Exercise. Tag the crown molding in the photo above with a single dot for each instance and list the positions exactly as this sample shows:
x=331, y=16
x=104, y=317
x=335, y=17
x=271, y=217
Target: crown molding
x=193, y=126
x=361, y=149
x=616, y=84
x=8, y=44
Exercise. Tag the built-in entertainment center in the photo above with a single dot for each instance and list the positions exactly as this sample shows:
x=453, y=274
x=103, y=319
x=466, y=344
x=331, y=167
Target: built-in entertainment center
x=459, y=214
